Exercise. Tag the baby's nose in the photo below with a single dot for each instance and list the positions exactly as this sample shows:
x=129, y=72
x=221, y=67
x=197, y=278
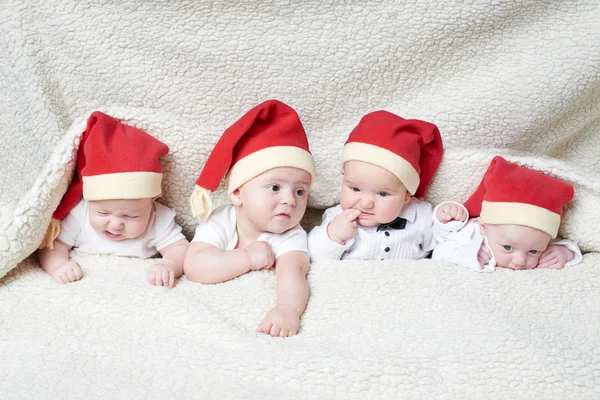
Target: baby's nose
x=115, y=224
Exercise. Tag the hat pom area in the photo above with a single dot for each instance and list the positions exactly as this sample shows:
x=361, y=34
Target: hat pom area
x=201, y=203
x=51, y=234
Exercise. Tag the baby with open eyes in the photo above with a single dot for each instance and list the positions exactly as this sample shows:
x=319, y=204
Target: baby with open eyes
x=269, y=169
x=515, y=215
x=387, y=164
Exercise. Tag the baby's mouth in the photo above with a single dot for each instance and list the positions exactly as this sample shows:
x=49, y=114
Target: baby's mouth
x=113, y=235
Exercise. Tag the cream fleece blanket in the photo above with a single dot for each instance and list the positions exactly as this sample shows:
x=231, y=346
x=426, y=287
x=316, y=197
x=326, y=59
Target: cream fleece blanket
x=520, y=80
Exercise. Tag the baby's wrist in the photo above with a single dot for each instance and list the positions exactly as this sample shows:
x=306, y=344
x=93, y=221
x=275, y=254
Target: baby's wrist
x=58, y=266
x=334, y=238
x=247, y=265
x=289, y=307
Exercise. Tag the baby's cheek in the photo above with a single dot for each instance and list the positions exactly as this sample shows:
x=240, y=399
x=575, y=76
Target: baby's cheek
x=392, y=208
x=347, y=200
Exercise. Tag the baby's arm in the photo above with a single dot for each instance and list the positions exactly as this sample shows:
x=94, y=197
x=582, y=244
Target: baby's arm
x=334, y=236
x=207, y=264
x=283, y=320
x=448, y=218
x=56, y=263
x=170, y=267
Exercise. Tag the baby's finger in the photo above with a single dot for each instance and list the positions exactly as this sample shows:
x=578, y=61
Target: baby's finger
x=264, y=327
x=158, y=278
x=354, y=224
x=485, y=250
x=284, y=332
x=171, y=279
x=482, y=262
x=353, y=214
x=547, y=263
x=274, y=330
x=78, y=272
x=165, y=277
x=557, y=265
x=545, y=255
x=71, y=275
x=460, y=214
x=59, y=278
x=441, y=214
x=150, y=276
x=450, y=209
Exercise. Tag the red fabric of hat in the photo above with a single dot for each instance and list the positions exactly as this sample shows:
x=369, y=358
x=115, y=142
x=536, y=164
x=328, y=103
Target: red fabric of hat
x=268, y=136
x=114, y=161
x=511, y=194
x=410, y=149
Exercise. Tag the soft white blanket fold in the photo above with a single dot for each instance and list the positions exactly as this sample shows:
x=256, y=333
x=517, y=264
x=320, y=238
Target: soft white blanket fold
x=520, y=79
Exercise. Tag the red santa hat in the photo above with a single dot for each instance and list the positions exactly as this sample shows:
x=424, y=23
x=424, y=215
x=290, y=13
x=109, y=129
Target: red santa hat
x=268, y=136
x=511, y=194
x=409, y=148
x=114, y=161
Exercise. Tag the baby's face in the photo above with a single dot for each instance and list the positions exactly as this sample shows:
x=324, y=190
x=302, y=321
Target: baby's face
x=516, y=246
x=275, y=200
x=374, y=191
x=120, y=219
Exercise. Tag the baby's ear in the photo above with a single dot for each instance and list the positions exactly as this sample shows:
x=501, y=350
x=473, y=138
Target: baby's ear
x=235, y=198
x=342, y=171
x=407, y=197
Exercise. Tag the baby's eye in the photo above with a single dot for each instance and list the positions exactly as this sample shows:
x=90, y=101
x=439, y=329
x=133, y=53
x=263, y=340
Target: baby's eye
x=355, y=189
x=274, y=188
x=131, y=216
x=102, y=213
x=534, y=251
x=382, y=194
x=299, y=192
x=507, y=247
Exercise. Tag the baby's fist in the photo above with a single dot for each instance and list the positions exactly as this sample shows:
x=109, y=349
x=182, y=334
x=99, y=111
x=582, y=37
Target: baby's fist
x=162, y=273
x=261, y=255
x=344, y=226
x=484, y=255
x=450, y=212
x=68, y=272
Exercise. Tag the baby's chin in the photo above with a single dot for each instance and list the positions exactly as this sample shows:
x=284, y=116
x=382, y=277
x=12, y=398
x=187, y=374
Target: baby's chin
x=280, y=226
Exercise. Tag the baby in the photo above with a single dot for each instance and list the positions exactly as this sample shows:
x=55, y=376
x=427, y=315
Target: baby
x=109, y=207
x=386, y=161
x=270, y=172
x=519, y=212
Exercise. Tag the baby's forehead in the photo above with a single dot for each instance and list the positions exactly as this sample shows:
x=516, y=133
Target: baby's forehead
x=122, y=204
x=522, y=234
x=369, y=173
x=286, y=174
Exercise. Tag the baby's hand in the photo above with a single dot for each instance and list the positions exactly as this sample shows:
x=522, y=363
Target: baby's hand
x=162, y=273
x=484, y=255
x=261, y=255
x=555, y=257
x=343, y=226
x=450, y=212
x=281, y=320
x=68, y=272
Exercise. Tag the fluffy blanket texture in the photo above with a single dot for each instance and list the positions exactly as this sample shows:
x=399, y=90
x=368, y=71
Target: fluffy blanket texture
x=519, y=79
